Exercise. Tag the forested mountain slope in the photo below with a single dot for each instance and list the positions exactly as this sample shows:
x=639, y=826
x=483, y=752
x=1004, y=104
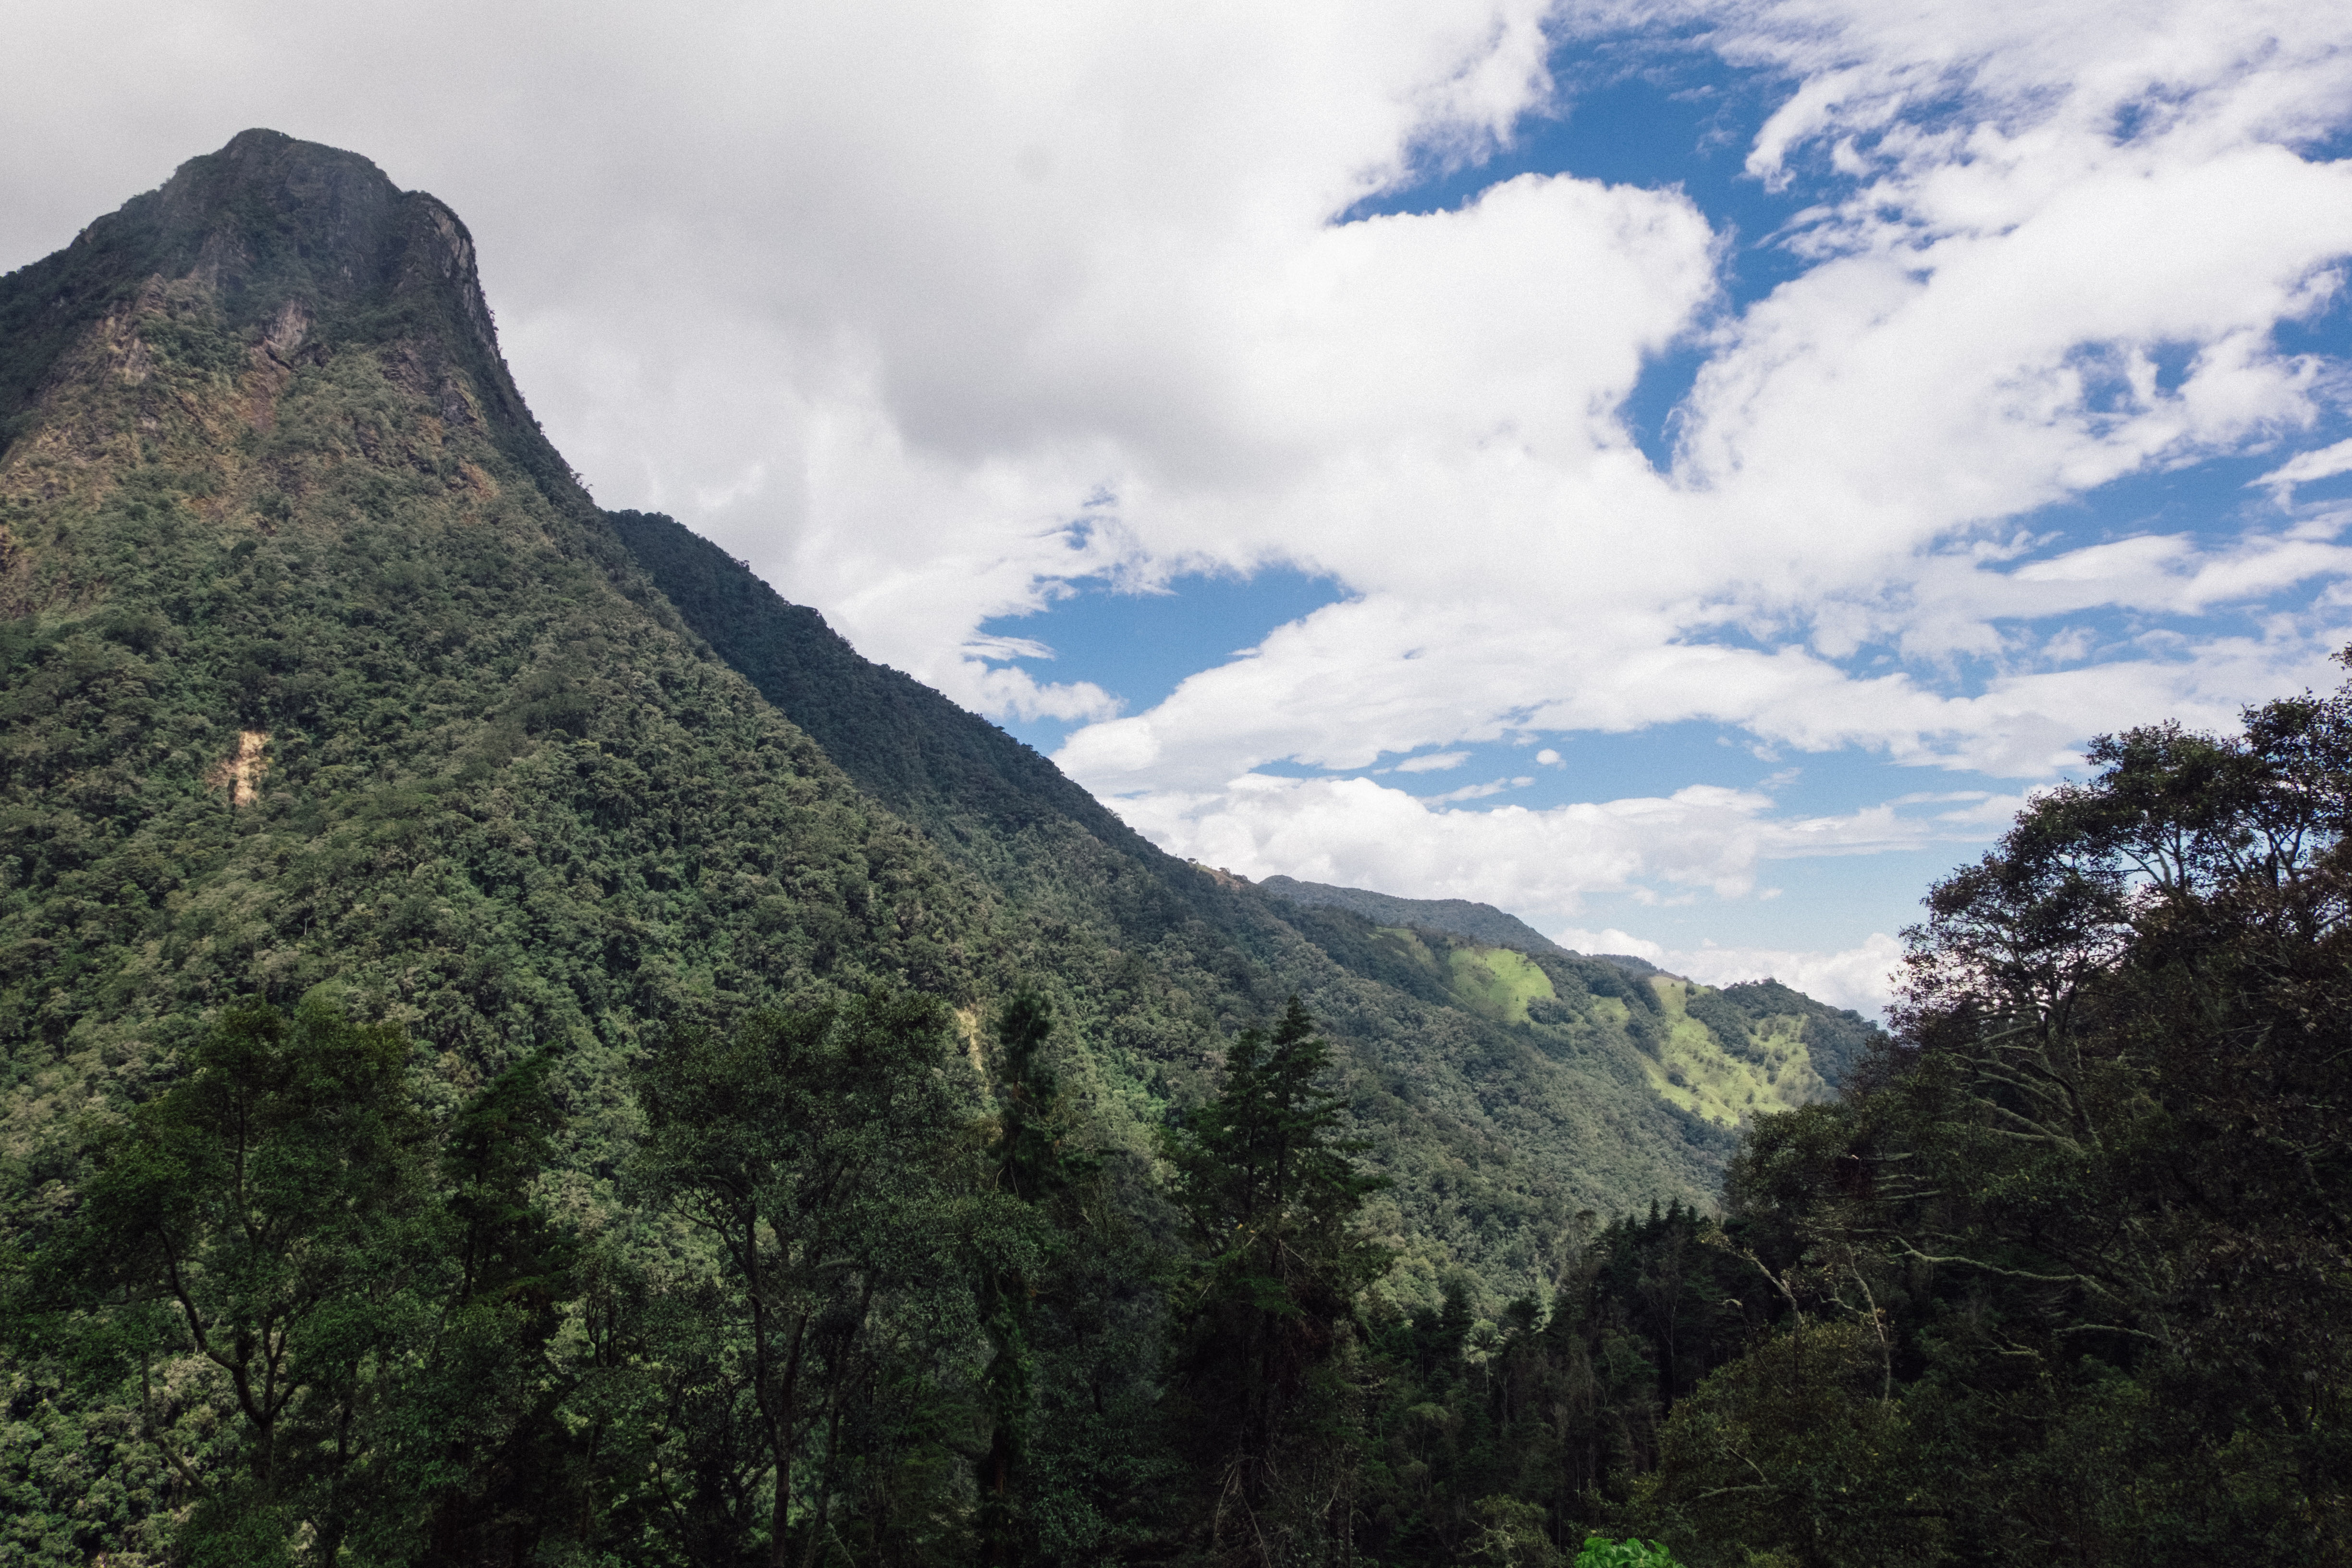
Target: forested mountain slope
x=1432, y=1044
x=1456, y=917
x=515, y=867
x=993, y=802
x=904, y=743
x=326, y=687
x=323, y=670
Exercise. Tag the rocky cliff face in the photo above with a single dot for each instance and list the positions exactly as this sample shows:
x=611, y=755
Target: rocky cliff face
x=288, y=248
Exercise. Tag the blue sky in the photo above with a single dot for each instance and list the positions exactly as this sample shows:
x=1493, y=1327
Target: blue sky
x=1664, y=114
x=1680, y=471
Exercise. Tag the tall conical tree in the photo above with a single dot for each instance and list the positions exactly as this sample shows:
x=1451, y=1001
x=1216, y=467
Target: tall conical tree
x=1270, y=1188
x=1034, y=1163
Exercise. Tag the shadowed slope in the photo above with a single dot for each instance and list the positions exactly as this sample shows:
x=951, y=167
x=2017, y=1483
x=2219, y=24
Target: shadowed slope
x=907, y=745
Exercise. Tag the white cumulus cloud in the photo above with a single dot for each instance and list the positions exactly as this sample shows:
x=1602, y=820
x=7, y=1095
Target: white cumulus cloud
x=1860, y=977
x=1545, y=862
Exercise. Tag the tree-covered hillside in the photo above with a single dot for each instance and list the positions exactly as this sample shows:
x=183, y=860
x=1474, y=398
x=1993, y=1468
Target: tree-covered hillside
x=512, y=1036
x=279, y=501
x=1531, y=1138
x=309, y=683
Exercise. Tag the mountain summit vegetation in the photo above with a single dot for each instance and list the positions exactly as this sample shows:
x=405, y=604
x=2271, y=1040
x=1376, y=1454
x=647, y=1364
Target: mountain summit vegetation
x=518, y=1045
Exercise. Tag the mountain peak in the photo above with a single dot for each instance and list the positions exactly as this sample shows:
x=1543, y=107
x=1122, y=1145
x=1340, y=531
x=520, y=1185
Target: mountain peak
x=281, y=170
x=266, y=215
x=286, y=240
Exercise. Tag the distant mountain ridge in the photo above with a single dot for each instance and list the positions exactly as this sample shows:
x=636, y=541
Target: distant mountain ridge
x=1457, y=917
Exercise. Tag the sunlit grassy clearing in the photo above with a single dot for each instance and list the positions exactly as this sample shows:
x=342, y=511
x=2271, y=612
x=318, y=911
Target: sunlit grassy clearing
x=1708, y=1077
x=1497, y=981
x=1768, y=1068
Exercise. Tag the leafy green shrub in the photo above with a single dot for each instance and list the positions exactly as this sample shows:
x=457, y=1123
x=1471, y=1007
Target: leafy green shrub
x=1600, y=1552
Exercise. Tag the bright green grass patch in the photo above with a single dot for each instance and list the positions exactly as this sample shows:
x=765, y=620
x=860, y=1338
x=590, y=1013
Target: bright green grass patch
x=1728, y=1081
x=1497, y=981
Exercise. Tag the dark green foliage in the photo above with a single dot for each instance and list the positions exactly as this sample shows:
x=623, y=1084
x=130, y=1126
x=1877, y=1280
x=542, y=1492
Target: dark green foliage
x=1836, y=1038
x=315, y=1316
x=1265, y=1159
x=1033, y=1163
x=336, y=1325
x=1033, y=1166
x=1076, y=1465
x=263, y=1215
x=814, y=1154
x=1550, y=1413
x=1676, y=1283
x=1606, y=979
x=1455, y=1087
x=484, y=788
x=2075, y=1252
x=495, y=1149
x=2061, y=1278
x=1599, y=1551
x=1724, y=1019
x=1798, y=1447
x=1493, y=1142
x=1264, y=1404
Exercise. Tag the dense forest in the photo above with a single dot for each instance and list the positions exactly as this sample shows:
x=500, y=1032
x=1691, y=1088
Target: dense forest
x=516, y=1044
x=2061, y=1276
